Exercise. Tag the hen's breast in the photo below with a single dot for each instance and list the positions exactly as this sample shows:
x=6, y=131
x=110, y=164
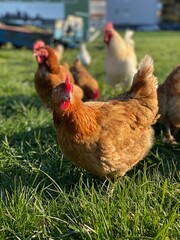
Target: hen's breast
x=86, y=153
x=119, y=70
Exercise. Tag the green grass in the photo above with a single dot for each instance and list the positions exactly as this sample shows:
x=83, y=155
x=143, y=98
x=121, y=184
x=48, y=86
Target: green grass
x=43, y=196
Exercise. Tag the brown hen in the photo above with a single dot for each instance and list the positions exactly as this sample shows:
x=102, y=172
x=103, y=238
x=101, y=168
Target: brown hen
x=169, y=104
x=107, y=138
x=84, y=79
x=50, y=74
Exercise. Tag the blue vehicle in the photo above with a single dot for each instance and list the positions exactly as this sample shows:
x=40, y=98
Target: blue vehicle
x=22, y=36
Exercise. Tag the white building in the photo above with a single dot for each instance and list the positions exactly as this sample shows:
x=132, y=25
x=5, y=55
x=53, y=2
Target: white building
x=97, y=10
x=133, y=12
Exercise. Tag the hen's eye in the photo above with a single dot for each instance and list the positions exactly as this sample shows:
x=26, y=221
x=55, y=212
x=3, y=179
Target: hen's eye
x=55, y=90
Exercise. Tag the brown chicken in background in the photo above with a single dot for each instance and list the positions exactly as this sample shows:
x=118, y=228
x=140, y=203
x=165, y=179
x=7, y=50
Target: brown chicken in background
x=84, y=79
x=120, y=57
x=169, y=104
x=50, y=74
x=107, y=138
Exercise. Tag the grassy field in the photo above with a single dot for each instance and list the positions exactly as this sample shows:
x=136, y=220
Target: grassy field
x=46, y=197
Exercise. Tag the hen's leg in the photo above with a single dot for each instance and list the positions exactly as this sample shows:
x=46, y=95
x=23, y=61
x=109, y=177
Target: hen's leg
x=169, y=135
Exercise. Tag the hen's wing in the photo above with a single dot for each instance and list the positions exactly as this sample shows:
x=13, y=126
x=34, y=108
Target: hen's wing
x=124, y=137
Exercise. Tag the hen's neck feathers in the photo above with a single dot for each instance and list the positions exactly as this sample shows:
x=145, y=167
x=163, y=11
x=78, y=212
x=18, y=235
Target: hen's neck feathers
x=52, y=61
x=79, y=119
x=117, y=45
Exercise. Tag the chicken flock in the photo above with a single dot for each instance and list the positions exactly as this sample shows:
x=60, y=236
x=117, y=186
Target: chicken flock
x=107, y=138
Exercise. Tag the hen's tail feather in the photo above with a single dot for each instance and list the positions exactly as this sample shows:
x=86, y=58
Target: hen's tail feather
x=144, y=81
x=144, y=88
x=146, y=69
x=128, y=37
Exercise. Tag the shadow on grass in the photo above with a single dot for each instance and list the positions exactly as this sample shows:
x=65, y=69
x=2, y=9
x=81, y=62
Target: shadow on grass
x=7, y=104
x=35, y=159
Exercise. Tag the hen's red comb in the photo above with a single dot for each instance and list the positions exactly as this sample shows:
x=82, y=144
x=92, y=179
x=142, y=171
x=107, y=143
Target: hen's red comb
x=108, y=26
x=68, y=84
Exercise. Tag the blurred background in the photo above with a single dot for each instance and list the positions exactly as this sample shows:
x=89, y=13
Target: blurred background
x=70, y=22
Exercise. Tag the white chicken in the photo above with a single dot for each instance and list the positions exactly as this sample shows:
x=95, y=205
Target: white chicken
x=84, y=55
x=120, y=57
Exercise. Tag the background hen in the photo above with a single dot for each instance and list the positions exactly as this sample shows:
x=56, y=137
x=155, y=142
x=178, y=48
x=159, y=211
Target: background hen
x=84, y=55
x=107, y=138
x=49, y=74
x=169, y=103
x=120, y=57
x=84, y=79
